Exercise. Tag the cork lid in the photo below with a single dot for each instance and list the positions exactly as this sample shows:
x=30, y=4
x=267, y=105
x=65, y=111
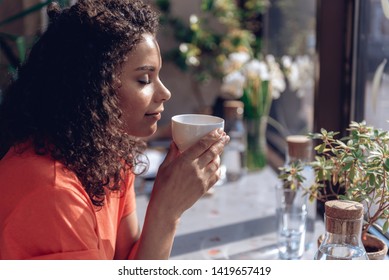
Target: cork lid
x=344, y=217
x=299, y=146
x=344, y=209
x=233, y=109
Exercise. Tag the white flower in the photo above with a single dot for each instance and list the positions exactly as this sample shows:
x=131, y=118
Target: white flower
x=193, y=19
x=278, y=86
x=294, y=77
x=240, y=68
x=235, y=61
x=299, y=74
x=270, y=59
x=239, y=57
x=245, y=75
x=277, y=79
x=183, y=48
x=256, y=69
x=233, y=84
x=192, y=60
x=286, y=61
x=291, y=72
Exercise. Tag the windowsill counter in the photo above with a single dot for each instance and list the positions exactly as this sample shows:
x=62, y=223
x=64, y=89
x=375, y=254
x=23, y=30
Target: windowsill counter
x=236, y=221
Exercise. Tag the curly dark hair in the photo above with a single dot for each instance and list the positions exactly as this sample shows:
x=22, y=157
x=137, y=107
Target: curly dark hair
x=64, y=99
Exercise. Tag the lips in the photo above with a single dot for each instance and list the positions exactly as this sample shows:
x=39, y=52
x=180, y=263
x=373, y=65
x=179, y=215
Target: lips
x=154, y=113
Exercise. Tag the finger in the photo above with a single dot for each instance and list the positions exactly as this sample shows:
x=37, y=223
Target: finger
x=214, y=151
x=215, y=176
x=212, y=172
x=203, y=144
x=214, y=165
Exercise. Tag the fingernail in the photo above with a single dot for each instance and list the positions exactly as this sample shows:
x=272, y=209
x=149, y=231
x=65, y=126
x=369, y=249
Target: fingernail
x=226, y=139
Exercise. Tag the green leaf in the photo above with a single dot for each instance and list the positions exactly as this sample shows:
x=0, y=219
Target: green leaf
x=358, y=154
x=386, y=164
x=320, y=174
x=206, y=5
x=385, y=227
x=340, y=143
x=371, y=179
x=320, y=148
x=348, y=159
x=347, y=166
x=315, y=135
x=21, y=45
x=343, y=197
x=352, y=173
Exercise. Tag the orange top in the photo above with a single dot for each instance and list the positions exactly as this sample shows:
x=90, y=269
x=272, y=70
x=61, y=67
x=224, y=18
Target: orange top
x=46, y=214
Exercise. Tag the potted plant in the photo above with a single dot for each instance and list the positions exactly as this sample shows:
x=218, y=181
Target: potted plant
x=355, y=168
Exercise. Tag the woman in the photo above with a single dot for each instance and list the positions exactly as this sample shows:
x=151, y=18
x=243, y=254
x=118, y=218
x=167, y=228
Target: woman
x=70, y=127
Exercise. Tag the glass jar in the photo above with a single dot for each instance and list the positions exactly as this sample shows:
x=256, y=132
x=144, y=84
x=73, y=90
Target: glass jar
x=343, y=225
x=299, y=148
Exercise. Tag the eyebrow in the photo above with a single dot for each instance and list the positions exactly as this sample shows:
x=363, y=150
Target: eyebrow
x=145, y=68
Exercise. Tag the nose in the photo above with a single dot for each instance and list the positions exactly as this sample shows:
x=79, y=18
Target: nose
x=163, y=92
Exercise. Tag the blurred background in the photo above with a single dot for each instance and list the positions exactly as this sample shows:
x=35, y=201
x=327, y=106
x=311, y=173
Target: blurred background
x=326, y=59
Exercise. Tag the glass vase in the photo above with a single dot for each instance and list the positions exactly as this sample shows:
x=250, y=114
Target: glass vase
x=256, y=143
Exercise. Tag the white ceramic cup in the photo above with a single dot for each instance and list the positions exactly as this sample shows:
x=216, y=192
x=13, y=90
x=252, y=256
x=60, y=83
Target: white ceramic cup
x=187, y=129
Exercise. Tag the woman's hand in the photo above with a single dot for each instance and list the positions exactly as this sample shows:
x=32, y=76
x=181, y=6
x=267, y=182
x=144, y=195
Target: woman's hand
x=184, y=177
x=181, y=180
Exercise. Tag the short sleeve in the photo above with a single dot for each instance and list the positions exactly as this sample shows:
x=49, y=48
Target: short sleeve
x=56, y=224
x=130, y=196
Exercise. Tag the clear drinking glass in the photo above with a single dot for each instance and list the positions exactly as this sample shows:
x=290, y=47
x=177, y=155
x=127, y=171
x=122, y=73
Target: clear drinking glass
x=291, y=213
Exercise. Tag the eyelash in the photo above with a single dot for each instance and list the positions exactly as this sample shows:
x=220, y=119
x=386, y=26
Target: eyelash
x=144, y=82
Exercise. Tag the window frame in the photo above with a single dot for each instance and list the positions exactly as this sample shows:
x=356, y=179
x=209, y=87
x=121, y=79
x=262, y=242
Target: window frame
x=334, y=65
x=340, y=78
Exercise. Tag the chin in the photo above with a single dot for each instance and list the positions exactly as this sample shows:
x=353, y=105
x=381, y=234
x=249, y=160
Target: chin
x=147, y=133
x=143, y=132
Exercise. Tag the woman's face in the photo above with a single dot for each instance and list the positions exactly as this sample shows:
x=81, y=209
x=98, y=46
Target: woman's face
x=142, y=94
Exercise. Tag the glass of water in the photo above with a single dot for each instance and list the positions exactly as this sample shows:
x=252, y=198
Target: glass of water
x=291, y=215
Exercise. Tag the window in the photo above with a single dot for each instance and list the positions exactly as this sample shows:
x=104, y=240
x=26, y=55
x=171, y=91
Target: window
x=372, y=53
x=352, y=49
x=371, y=78
x=291, y=34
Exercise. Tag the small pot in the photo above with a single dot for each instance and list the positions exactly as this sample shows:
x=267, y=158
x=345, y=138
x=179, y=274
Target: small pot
x=376, y=249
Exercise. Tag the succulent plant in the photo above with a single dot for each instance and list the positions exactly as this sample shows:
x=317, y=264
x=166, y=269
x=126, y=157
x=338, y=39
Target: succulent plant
x=355, y=168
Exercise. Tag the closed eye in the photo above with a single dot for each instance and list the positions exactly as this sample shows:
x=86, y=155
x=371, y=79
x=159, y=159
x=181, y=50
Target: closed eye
x=144, y=82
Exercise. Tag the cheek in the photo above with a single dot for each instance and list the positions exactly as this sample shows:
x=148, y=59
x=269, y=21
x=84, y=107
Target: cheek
x=134, y=103
x=131, y=117
x=136, y=106
x=133, y=98
x=133, y=110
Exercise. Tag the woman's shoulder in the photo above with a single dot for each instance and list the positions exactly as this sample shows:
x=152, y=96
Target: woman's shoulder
x=22, y=163
x=24, y=171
